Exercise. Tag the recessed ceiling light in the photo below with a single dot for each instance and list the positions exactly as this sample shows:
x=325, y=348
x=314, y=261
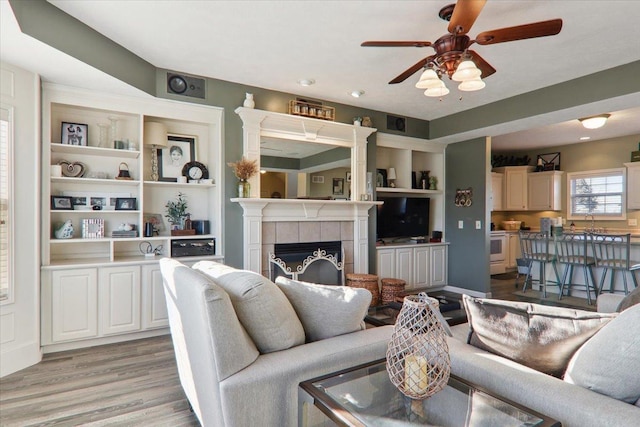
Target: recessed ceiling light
x=306, y=82
x=357, y=93
x=584, y=138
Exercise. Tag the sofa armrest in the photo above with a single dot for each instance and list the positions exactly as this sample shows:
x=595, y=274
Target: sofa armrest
x=608, y=303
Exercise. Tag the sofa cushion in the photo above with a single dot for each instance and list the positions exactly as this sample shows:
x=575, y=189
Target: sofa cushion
x=538, y=336
x=324, y=310
x=609, y=363
x=263, y=310
x=632, y=298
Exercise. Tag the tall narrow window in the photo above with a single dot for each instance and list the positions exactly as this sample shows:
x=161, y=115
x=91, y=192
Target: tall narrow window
x=5, y=205
x=600, y=193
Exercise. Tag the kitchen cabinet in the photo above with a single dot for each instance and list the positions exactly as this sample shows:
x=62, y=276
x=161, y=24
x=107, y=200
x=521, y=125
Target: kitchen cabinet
x=497, y=183
x=73, y=303
x=515, y=187
x=420, y=265
x=119, y=299
x=633, y=185
x=544, y=191
x=154, y=308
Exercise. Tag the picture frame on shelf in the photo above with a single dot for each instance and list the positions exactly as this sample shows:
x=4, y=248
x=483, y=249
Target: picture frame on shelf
x=92, y=228
x=61, y=203
x=338, y=186
x=126, y=204
x=86, y=201
x=171, y=160
x=381, y=177
x=74, y=133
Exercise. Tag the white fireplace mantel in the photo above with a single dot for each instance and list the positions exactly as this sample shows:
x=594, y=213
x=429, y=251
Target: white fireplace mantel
x=257, y=211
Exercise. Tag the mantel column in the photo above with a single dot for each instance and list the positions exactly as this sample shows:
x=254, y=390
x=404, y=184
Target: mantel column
x=252, y=226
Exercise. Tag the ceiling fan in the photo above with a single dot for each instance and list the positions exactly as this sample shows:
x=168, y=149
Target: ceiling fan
x=452, y=49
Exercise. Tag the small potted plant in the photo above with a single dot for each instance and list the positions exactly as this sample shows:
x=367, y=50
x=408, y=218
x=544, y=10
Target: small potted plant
x=244, y=169
x=177, y=214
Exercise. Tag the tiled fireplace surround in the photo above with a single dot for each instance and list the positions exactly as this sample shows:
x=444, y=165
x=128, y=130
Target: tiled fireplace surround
x=305, y=231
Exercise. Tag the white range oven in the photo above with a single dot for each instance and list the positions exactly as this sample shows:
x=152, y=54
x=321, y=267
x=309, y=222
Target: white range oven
x=498, y=257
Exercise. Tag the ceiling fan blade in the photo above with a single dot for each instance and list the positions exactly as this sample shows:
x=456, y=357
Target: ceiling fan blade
x=464, y=15
x=396, y=44
x=520, y=32
x=483, y=65
x=410, y=71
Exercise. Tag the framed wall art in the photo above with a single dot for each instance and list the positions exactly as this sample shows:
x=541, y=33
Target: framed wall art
x=180, y=150
x=338, y=186
x=126, y=204
x=74, y=133
x=61, y=203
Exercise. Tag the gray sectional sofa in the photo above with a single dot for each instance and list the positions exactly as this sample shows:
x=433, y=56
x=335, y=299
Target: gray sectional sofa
x=243, y=344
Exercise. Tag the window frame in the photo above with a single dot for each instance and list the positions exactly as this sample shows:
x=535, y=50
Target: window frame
x=571, y=176
x=7, y=114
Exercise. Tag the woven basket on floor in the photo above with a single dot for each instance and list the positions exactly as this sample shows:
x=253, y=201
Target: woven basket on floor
x=418, y=355
x=367, y=281
x=391, y=288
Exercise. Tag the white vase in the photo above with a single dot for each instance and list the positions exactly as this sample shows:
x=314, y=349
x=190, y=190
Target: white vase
x=248, y=101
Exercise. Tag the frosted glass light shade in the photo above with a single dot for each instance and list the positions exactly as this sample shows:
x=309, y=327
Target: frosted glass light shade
x=471, y=85
x=466, y=70
x=428, y=79
x=155, y=134
x=437, y=91
x=595, y=122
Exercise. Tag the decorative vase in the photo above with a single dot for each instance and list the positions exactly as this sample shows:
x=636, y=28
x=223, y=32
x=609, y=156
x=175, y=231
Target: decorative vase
x=418, y=355
x=424, y=180
x=65, y=231
x=248, y=101
x=244, y=188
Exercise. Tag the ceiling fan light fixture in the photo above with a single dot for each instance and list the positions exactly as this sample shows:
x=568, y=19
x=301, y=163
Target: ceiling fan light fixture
x=594, y=122
x=437, y=91
x=471, y=85
x=466, y=70
x=428, y=79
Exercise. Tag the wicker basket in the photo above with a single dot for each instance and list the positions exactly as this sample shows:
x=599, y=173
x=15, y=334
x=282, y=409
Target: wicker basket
x=367, y=281
x=391, y=288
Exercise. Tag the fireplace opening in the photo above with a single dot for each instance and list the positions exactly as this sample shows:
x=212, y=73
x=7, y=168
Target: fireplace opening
x=316, y=262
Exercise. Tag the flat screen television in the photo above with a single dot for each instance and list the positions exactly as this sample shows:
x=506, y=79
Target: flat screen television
x=403, y=217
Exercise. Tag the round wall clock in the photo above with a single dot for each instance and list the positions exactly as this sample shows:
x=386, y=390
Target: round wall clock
x=195, y=170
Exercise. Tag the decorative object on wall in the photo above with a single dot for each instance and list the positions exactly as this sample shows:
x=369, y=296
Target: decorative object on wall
x=244, y=169
x=418, y=355
x=464, y=198
x=311, y=108
x=155, y=136
x=499, y=160
x=179, y=151
x=72, y=169
x=338, y=186
x=64, y=231
x=248, y=101
x=550, y=161
x=123, y=172
x=92, y=228
x=74, y=133
x=317, y=179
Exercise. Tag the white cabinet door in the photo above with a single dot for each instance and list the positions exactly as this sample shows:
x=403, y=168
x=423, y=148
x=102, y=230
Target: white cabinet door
x=386, y=263
x=404, y=265
x=154, y=307
x=513, y=249
x=515, y=198
x=438, y=265
x=633, y=185
x=421, y=257
x=120, y=299
x=544, y=191
x=497, y=183
x=74, y=304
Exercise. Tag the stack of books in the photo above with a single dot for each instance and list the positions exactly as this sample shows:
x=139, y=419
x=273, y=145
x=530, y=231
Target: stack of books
x=124, y=233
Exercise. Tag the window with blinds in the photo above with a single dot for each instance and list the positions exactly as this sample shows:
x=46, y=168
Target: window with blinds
x=599, y=193
x=5, y=205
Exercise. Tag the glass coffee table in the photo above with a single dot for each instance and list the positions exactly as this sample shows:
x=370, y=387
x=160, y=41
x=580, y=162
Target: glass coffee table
x=364, y=396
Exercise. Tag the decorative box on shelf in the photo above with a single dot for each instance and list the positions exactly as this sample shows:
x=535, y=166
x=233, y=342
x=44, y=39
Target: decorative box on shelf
x=311, y=109
x=188, y=232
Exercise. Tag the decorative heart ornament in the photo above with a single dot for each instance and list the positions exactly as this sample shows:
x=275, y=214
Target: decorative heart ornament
x=72, y=169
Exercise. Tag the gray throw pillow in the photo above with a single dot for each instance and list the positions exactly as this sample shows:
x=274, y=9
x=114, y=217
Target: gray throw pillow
x=538, y=336
x=632, y=298
x=262, y=308
x=609, y=363
x=325, y=310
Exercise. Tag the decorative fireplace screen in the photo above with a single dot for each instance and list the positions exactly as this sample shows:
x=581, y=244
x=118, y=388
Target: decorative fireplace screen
x=316, y=262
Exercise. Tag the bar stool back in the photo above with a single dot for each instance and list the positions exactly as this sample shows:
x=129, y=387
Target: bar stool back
x=535, y=248
x=613, y=252
x=571, y=250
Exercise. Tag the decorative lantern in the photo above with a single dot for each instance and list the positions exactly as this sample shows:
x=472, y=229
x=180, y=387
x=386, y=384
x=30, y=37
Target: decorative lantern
x=418, y=355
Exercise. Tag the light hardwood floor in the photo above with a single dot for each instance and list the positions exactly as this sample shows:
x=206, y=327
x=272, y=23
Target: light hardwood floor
x=126, y=384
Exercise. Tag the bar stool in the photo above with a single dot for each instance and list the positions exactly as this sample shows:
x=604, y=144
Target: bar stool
x=571, y=250
x=391, y=288
x=613, y=252
x=535, y=248
x=367, y=281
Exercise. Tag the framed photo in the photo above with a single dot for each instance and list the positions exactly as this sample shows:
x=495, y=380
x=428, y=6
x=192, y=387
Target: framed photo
x=74, y=133
x=338, y=186
x=85, y=201
x=61, y=203
x=381, y=177
x=348, y=176
x=92, y=228
x=126, y=204
x=156, y=220
x=171, y=160
x=550, y=161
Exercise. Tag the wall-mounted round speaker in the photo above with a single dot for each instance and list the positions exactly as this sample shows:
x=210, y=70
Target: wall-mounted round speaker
x=177, y=84
x=182, y=84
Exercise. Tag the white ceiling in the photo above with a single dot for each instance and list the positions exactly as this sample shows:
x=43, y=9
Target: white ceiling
x=273, y=44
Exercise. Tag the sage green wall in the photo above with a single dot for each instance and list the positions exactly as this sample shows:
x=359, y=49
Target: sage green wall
x=466, y=165
x=589, y=155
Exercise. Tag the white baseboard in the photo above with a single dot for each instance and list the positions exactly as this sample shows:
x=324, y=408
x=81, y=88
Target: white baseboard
x=16, y=359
